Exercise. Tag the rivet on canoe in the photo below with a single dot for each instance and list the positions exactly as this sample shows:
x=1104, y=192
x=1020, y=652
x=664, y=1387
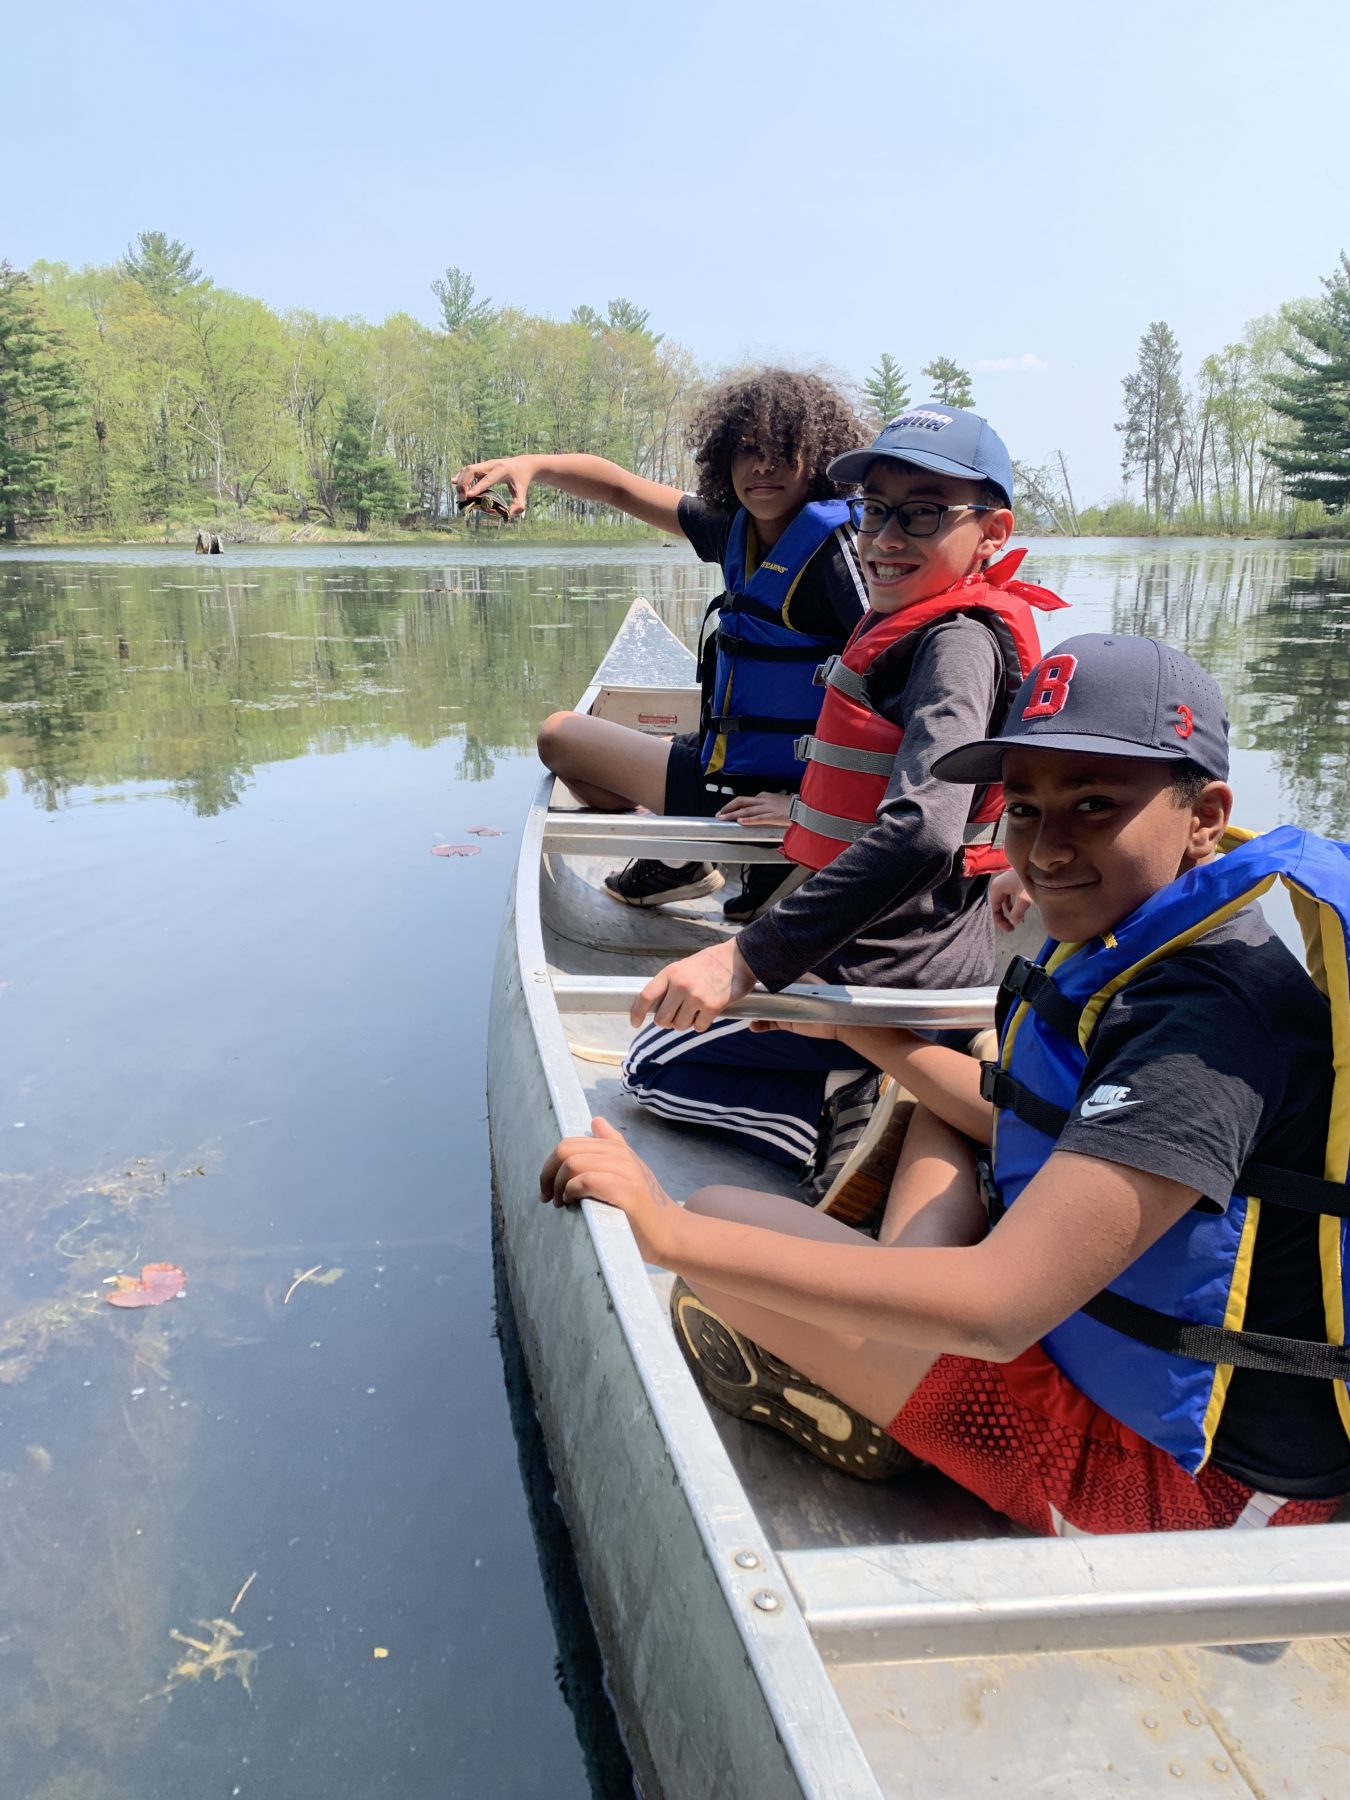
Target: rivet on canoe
x=1220, y=1765
x=746, y=1559
x=767, y=1601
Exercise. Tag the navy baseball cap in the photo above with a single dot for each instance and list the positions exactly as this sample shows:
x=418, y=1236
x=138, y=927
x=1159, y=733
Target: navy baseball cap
x=1107, y=695
x=934, y=436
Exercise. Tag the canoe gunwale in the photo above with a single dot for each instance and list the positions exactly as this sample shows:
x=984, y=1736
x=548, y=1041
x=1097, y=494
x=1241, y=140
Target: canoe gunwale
x=802, y=1741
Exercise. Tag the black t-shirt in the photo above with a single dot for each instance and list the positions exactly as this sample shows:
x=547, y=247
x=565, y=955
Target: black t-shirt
x=895, y=908
x=831, y=594
x=1223, y=1051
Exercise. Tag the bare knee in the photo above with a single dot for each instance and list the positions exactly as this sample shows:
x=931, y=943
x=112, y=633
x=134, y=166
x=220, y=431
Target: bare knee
x=554, y=739
x=715, y=1202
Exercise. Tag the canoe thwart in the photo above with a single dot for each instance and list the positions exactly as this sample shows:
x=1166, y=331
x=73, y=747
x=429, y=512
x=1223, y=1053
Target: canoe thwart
x=940, y=1602
x=818, y=1003
x=654, y=829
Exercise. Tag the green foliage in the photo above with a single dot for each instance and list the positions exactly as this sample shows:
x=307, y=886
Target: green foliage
x=1153, y=425
x=460, y=310
x=38, y=401
x=162, y=265
x=886, y=389
x=367, y=484
x=951, y=383
x=1315, y=398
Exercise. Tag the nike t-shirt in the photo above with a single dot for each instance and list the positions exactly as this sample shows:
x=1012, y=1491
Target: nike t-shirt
x=1216, y=1056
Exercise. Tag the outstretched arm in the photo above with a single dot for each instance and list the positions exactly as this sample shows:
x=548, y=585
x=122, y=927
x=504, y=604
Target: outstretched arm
x=1077, y=1225
x=584, y=477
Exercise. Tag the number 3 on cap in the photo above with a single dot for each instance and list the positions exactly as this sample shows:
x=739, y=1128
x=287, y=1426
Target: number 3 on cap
x=1049, y=686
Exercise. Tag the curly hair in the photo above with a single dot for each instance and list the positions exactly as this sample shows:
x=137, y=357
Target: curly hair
x=779, y=412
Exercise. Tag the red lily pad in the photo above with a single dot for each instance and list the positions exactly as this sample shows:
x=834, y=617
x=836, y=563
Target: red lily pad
x=158, y=1282
x=456, y=849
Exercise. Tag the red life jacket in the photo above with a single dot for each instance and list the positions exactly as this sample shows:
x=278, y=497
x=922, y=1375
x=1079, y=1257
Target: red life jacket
x=850, y=758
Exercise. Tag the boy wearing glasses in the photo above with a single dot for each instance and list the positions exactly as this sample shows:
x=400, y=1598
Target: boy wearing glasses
x=898, y=860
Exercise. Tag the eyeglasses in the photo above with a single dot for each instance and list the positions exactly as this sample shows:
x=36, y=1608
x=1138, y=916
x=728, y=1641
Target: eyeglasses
x=917, y=519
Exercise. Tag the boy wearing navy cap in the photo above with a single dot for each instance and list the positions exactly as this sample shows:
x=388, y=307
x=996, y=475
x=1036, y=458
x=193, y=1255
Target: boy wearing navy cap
x=897, y=861
x=1132, y=1317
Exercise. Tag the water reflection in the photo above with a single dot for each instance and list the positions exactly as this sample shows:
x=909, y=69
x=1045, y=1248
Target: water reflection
x=243, y=1020
x=1271, y=622
x=192, y=680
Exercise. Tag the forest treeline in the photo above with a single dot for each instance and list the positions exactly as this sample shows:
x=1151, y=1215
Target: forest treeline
x=140, y=399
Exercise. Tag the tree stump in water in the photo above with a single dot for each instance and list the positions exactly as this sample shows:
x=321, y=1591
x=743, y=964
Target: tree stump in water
x=208, y=544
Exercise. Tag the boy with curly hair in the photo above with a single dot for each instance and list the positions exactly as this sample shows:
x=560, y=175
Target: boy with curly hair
x=770, y=516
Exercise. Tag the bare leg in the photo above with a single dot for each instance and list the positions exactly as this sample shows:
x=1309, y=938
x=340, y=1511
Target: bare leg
x=934, y=1196
x=609, y=767
x=933, y=1202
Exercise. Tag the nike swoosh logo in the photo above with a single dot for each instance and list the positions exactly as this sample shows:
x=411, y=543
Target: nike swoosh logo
x=1090, y=1108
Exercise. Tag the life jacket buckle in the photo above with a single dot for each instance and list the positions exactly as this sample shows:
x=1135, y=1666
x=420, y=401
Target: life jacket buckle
x=990, y=1084
x=987, y=1187
x=821, y=678
x=1023, y=977
x=802, y=748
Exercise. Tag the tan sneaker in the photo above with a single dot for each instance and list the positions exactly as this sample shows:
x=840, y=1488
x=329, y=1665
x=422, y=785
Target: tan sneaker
x=857, y=1195
x=743, y=1379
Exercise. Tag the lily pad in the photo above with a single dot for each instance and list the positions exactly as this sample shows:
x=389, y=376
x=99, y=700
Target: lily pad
x=158, y=1282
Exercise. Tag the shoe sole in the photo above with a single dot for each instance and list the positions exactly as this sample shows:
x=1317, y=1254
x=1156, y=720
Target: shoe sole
x=859, y=1192
x=695, y=891
x=746, y=1381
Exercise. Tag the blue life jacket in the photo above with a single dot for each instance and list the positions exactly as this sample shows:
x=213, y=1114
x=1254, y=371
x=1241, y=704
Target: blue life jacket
x=760, y=692
x=1157, y=1349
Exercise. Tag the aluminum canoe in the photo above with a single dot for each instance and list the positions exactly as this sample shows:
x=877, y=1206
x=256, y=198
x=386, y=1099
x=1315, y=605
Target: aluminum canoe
x=773, y=1629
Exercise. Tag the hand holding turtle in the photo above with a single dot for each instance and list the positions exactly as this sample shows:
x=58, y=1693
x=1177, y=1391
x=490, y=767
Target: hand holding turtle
x=517, y=472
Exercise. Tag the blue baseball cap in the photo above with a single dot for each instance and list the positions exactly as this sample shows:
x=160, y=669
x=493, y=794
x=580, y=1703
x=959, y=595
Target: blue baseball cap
x=1107, y=695
x=934, y=436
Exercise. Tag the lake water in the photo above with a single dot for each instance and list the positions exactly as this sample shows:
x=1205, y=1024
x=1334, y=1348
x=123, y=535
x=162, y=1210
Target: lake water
x=242, y=1017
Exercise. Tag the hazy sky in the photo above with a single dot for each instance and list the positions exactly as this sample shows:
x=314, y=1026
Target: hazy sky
x=1021, y=187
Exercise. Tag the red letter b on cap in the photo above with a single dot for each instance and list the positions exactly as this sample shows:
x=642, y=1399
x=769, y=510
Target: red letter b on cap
x=1049, y=686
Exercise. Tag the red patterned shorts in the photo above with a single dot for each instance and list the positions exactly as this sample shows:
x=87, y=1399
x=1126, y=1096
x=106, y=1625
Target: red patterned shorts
x=1032, y=1446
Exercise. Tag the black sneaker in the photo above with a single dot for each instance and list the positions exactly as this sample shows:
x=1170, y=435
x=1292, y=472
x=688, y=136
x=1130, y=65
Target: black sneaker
x=843, y=1120
x=761, y=885
x=743, y=1379
x=647, y=882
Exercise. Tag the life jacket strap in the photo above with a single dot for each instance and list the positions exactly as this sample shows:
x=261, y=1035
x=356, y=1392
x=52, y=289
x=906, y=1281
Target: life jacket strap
x=1026, y=980
x=1287, y=1187
x=1267, y=1182
x=830, y=825
x=738, y=646
x=835, y=673
x=1008, y=1094
x=839, y=756
x=758, y=722
x=1201, y=1343
x=1216, y=1344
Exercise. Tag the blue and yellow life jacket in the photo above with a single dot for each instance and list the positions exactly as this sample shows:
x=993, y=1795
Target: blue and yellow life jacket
x=758, y=673
x=1158, y=1347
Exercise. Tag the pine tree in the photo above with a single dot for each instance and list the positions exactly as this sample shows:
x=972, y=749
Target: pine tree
x=162, y=265
x=1153, y=426
x=369, y=484
x=951, y=383
x=886, y=388
x=38, y=400
x=460, y=310
x=1316, y=399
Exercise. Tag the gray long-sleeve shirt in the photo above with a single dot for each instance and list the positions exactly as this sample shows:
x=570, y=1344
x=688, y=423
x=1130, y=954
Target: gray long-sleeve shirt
x=894, y=909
